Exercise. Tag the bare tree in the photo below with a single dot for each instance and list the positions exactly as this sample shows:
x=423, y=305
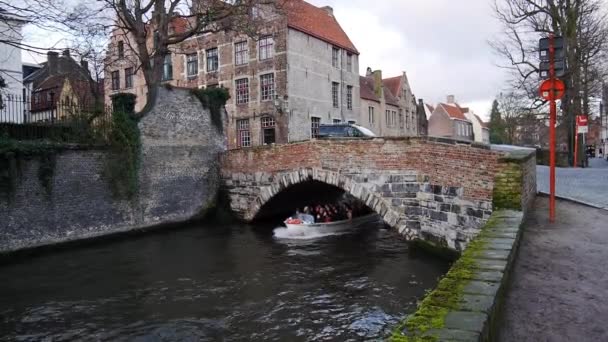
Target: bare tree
x=151, y=29
x=165, y=24
x=580, y=22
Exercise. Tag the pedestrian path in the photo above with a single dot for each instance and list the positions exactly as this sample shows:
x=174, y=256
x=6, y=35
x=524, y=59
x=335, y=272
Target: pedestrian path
x=557, y=289
x=588, y=185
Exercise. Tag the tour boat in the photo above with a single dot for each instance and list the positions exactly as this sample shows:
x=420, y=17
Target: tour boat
x=333, y=226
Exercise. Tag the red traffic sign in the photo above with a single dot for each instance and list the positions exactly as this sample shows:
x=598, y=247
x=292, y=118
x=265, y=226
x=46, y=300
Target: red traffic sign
x=581, y=120
x=552, y=89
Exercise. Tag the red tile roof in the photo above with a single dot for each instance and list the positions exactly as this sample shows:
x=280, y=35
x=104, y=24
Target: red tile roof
x=393, y=83
x=454, y=112
x=367, y=89
x=389, y=98
x=318, y=23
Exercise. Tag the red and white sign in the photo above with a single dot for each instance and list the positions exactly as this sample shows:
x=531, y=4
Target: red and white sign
x=582, y=125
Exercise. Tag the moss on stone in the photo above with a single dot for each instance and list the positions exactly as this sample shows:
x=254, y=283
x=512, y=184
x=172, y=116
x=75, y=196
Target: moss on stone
x=508, y=185
x=434, y=308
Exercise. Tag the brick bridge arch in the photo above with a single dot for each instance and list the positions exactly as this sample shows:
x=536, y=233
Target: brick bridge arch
x=437, y=190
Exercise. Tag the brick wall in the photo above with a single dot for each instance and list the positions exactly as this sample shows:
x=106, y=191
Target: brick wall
x=178, y=181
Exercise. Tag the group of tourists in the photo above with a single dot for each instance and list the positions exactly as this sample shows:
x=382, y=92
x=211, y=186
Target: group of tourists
x=328, y=213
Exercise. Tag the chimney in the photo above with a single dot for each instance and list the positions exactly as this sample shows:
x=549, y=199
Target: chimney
x=328, y=9
x=420, y=102
x=66, y=53
x=52, y=62
x=378, y=83
x=451, y=99
x=369, y=72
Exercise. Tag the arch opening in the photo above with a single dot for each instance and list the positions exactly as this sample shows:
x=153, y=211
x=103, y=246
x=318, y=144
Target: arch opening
x=300, y=195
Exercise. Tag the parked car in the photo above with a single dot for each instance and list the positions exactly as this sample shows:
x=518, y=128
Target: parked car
x=344, y=131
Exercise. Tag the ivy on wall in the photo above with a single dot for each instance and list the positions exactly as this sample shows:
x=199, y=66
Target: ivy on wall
x=13, y=152
x=213, y=99
x=122, y=164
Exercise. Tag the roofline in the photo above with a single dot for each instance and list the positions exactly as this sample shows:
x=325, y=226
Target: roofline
x=368, y=99
x=324, y=39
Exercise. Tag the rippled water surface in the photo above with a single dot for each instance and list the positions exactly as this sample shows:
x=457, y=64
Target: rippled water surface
x=217, y=283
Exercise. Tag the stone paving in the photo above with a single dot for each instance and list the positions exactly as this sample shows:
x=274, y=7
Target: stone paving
x=558, y=287
x=588, y=185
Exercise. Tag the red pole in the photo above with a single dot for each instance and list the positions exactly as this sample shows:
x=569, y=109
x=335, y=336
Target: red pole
x=552, y=119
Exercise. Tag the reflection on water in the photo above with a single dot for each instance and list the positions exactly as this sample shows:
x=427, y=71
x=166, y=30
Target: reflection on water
x=227, y=283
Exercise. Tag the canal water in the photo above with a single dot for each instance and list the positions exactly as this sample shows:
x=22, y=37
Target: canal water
x=217, y=283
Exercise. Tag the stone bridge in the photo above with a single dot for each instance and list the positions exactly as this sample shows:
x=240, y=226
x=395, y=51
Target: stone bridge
x=437, y=190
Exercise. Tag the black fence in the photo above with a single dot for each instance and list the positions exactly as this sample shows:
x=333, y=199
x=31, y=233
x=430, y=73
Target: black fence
x=65, y=120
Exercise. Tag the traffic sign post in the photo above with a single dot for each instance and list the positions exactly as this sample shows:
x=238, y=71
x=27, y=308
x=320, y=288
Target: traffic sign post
x=552, y=89
x=582, y=127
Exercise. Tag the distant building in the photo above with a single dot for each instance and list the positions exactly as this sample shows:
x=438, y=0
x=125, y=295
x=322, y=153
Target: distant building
x=449, y=120
x=388, y=107
x=481, y=130
x=60, y=88
x=300, y=73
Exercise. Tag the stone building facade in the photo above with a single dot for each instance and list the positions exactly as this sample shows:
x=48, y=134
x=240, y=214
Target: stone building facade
x=300, y=71
x=388, y=107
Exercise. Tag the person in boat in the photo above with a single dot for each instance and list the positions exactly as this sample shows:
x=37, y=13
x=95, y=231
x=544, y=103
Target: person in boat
x=306, y=217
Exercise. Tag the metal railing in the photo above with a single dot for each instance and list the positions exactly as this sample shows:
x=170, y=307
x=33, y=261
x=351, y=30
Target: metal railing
x=61, y=120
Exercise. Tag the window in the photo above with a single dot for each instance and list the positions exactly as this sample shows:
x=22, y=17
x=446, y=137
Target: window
x=407, y=119
x=349, y=97
x=314, y=127
x=352, y=122
x=212, y=60
x=337, y=121
x=387, y=117
x=121, y=49
x=335, y=57
x=241, y=53
x=192, y=64
x=115, y=80
x=267, y=87
x=167, y=68
x=129, y=78
x=266, y=47
x=242, y=91
x=268, y=130
x=394, y=118
x=370, y=113
x=243, y=133
x=401, y=119
x=334, y=94
x=349, y=62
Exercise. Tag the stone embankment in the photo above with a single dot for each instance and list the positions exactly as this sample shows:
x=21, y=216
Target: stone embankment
x=178, y=180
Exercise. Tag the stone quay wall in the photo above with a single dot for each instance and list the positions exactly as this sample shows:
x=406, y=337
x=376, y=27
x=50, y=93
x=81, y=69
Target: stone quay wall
x=437, y=190
x=178, y=181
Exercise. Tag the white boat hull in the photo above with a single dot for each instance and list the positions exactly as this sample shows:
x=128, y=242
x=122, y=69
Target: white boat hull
x=335, y=226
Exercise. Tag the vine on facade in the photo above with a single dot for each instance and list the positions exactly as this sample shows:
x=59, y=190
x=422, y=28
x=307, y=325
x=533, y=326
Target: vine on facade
x=213, y=99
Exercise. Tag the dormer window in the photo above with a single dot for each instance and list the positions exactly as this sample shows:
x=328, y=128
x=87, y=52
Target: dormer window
x=121, y=49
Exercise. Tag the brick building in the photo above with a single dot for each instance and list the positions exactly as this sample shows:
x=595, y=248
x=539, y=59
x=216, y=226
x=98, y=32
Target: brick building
x=388, y=106
x=301, y=71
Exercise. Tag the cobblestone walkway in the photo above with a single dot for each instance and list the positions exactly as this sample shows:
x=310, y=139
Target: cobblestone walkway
x=588, y=185
x=558, y=287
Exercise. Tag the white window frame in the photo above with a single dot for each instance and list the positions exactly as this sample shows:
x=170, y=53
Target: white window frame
x=241, y=53
x=241, y=97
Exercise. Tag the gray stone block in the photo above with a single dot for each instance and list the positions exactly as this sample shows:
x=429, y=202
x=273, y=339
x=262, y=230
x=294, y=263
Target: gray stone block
x=466, y=321
x=476, y=303
x=481, y=288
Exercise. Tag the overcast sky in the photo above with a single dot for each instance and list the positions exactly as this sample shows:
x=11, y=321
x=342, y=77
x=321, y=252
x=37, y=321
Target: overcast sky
x=441, y=44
